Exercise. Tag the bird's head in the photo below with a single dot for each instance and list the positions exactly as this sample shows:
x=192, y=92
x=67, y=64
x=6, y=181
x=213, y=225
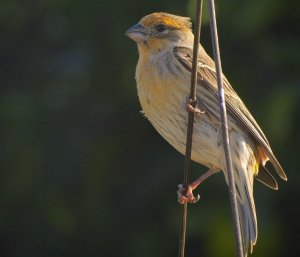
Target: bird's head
x=160, y=31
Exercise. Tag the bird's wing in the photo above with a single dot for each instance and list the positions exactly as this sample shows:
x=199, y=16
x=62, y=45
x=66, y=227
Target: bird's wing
x=235, y=106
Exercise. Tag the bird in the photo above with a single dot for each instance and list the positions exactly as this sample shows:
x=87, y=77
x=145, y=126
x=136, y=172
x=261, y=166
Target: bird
x=163, y=75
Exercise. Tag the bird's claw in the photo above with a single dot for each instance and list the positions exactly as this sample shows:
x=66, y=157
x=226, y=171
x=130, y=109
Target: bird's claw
x=185, y=195
x=191, y=108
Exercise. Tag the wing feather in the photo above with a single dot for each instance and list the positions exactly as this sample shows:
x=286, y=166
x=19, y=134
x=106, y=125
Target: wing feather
x=236, y=108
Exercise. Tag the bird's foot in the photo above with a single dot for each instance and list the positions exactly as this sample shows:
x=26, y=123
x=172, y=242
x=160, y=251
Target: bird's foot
x=185, y=195
x=191, y=106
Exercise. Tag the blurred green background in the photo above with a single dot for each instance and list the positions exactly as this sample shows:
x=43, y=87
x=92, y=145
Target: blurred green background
x=84, y=174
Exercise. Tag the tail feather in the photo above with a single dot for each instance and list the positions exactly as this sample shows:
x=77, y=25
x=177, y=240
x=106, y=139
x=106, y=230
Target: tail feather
x=265, y=177
x=244, y=168
x=248, y=223
x=247, y=214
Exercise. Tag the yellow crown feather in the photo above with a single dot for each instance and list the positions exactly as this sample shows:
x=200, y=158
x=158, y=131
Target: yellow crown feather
x=173, y=21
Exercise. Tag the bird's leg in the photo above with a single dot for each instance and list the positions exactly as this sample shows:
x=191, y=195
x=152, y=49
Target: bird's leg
x=185, y=195
x=189, y=106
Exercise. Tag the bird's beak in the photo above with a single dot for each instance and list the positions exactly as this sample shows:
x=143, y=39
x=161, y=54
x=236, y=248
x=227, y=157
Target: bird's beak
x=136, y=33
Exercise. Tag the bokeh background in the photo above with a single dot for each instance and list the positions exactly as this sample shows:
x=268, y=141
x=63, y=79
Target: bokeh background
x=84, y=174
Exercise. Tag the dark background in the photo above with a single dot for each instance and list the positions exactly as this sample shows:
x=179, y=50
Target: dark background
x=84, y=174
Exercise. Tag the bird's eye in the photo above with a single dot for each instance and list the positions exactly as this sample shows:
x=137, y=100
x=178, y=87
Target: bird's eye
x=160, y=27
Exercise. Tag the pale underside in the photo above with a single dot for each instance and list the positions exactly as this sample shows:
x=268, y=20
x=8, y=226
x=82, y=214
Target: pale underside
x=162, y=91
x=163, y=102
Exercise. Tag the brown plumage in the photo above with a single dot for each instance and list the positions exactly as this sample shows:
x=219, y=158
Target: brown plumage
x=165, y=45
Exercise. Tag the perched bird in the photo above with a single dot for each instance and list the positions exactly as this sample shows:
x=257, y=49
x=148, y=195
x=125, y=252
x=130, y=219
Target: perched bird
x=163, y=75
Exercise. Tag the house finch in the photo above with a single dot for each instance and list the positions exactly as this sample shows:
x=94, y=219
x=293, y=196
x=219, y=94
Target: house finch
x=163, y=74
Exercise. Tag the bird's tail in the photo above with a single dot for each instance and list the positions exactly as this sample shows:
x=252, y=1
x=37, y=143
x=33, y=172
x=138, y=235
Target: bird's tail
x=244, y=168
x=248, y=222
